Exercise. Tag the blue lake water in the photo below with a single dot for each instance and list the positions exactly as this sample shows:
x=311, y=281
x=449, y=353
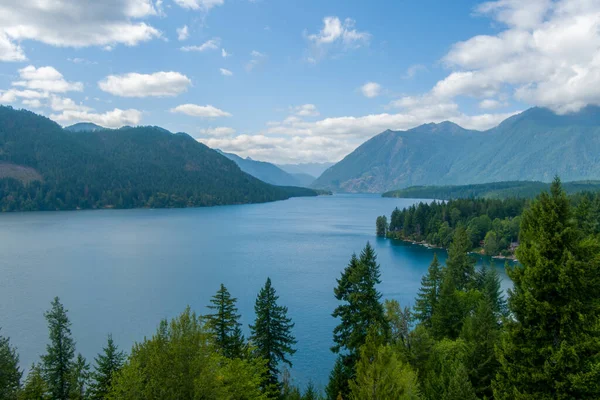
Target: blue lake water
x=121, y=271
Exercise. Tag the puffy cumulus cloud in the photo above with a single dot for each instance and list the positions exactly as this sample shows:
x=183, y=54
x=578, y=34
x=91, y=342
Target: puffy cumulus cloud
x=220, y=131
x=12, y=95
x=371, y=89
x=212, y=44
x=110, y=119
x=336, y=31
x=183, y=33
x=46, y=79
x=548, y=55
x=335, y=37
x=225, y=72
x=282, y=149
x=306, y=110
x=158, y=84
x=74, y=23
x=32, y=103
x=490, y=104
x=195, y=110
x=199, y=5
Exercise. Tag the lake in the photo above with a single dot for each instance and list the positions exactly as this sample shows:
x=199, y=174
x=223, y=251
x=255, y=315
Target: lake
x=122, y=271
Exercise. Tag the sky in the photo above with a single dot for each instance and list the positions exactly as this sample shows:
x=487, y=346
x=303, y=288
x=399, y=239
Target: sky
x=292, y=81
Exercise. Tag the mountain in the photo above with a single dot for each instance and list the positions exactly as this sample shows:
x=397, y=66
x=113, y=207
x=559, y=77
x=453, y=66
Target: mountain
x=267, y=172
x=84, y=127
x=312, y=169
x=45, y=167
x=534, y=145
x=495, y=190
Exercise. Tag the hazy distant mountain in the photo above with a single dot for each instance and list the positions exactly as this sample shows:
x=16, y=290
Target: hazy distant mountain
x=535, y=145
x=45, y=167
x=84, y=127
x=312, y=169
x=267, y=172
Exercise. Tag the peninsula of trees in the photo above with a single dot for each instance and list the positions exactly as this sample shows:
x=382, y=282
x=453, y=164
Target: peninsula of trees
x=462, y=340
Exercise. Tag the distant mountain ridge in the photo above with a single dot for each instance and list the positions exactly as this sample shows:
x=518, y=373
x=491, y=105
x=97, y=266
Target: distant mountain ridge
x=46, y=167
x=534, y=145
x=312, y=169
x=267, y=172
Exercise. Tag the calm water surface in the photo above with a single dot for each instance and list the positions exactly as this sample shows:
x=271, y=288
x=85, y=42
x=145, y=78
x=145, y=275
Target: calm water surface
x=121, y=271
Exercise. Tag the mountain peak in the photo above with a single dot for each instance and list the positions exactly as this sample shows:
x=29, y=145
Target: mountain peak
x=84, y=127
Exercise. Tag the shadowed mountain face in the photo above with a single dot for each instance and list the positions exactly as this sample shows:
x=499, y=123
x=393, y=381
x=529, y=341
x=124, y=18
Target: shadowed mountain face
x=45, y=167
x=534, y=145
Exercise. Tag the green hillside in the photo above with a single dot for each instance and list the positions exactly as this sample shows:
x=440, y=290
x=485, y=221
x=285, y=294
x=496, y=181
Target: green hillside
x=124, y=168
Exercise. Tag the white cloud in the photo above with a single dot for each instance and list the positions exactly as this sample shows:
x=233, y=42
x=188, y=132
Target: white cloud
x=46, y=79
x=110, y=119
x=78, y=60
x=306, y=110
x=212, y=44
x=158, y=84
x=220, y=131
x=336, y=36
x=202, y=5
x=548, y=55
x=11, y=95
x=225, y=72
x=64, y=103
x=183, y=33
x=224, y=53
x=334, y=30
x=10, y=51
x=32, y=103
x=490, y=104
x=371, y=89
x=73, y=23
x=195, y=110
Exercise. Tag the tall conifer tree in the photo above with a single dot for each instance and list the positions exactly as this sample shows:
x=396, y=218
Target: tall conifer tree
x=427, y=297
x=60, y=352
x=551, y=349
x=10, y=375
x=108, y=363
x=272, y=332
x=224, y=324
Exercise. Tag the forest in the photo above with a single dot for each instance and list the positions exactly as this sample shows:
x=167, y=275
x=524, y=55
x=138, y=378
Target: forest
x=44, y=167
x=463, y=340
x=492, y=225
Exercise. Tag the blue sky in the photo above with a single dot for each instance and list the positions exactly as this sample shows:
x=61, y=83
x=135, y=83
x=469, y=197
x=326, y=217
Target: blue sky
x=296, y=81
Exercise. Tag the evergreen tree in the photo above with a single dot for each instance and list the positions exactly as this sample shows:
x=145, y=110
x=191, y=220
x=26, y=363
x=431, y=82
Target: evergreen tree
x=35, y=387
x=399, y=321
x=58, y=360
x=481, y=333
x=108, y=364
x=381, y=375
x=427, y=297
x=224, y=324
x=551, y=349
x=272, y=332
x=361, y=308
x=460, y=388
x=447, y=320
x=80, y=375
x=338, y=385
x=10, y=375
x=310, y=393
x=489, y=284
x=459, y=264
x=381, y=225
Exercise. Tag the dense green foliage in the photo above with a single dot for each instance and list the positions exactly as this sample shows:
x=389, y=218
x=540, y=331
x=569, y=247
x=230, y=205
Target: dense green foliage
x=10, y=374
x=535, y=145
x=551, y=348
x=491, y=224
x=461, y=341
x=124, y=168
x=272, y=332
x=494, y=190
